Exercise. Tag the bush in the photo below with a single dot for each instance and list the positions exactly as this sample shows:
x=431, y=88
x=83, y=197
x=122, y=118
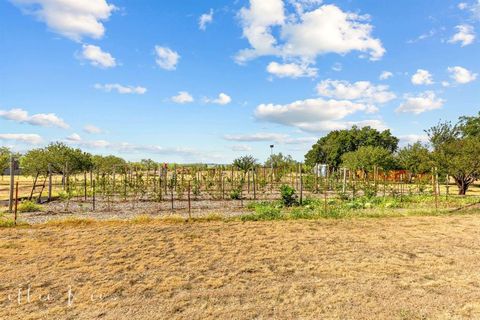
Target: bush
x=29, y=206
x=235, y=194
x=263, y=213
x=289, y=198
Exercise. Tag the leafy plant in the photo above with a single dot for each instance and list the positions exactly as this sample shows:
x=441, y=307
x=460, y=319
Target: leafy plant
x=29, y=206
x=289, y=198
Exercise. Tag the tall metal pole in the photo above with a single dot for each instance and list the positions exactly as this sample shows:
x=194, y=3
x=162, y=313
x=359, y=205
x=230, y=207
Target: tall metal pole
x=12, y=183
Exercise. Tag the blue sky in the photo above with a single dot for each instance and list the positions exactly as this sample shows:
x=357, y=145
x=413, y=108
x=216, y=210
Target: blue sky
x=185, y=81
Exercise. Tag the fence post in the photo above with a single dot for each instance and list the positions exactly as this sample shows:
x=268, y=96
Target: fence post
x=16, y=203
x=93, y=195
x=85, y=185
x=12, y=183
x=49, y=182
x=301, y=183
x=254, y=187
x=189, y=203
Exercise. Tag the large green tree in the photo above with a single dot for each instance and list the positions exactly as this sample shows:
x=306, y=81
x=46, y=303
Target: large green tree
x=109, y=164
x=456, y=150
x=415, y=158
x=333, y=146
x=366, y=158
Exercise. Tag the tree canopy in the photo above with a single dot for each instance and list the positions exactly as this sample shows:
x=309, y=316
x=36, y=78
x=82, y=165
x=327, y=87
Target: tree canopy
x=333, y=146
x=245, y=163
x=366, y=158
x=279, y=160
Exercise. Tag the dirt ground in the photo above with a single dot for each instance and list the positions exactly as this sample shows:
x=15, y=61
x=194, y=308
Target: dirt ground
x=395, y=268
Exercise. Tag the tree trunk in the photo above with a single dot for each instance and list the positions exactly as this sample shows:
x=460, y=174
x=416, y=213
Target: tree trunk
x=462, y=185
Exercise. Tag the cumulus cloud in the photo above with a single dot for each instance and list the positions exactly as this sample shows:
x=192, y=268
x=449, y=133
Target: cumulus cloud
x=97, y=57
x=182, y=97
x=91, y=129
x=222, y=99
x=422, y=77
x=205, y=19
x=28, y=138
x=465, y=35
x=305, y=34
x=39, y=119
x=385, y=75
x=426, y=101
x=166, y=58
x=313, y=114
x=291, y=70
x=108, y=87
x=70, y=18
x=461, y=75
x=361, y=91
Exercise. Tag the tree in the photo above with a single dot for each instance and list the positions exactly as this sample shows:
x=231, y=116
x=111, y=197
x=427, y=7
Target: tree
x=64, y=159
x=108, y=164
x=330, y=149
x=443, y=132
x=415, y=158
x=279, y=160
x=470, y=126
x=460, y=159
x=367, y=158
x=35, y=162
x=4, y=159
x=245, y=163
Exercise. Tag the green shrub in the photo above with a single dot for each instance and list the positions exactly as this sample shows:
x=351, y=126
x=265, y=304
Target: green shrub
x=263, y=213
x=235, y=194
x=29, y=206
x=289, y=198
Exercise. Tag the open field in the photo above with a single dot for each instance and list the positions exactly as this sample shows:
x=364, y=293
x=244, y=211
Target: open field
x=396, y=268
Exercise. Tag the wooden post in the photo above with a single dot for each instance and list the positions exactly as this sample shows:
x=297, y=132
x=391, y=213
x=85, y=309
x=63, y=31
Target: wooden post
x=85, y=185
x=254, y=187
x=16, y=203
x=93, y=195
x=171, y=195
x=301, y=183
x=448, y=186
x=49, y=182
x=189, y=203
x=344, y=182
x=12, y=183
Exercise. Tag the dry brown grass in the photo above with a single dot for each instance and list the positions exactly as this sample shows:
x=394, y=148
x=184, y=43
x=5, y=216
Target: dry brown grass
x=396, y=268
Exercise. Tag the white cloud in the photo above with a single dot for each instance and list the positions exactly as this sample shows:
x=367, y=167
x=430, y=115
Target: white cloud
x=91, y=129
x=465, y=35
x=108, y=87
x=462, y=75
x=385, y=75
x=241, y=147
x=73, y=19
x=166, y=58
x=269, y=137
x=312, y=114
x=39, y=119
x=205, y=19
x=256, y=137
x=182, y=97
x=222, y=99
x=361, y=91
x=413, y=138
x=22, y=137
x=474, y=8
x=426, y=101
x=97, y=57
x=337, y=67
x=422, y=77
x=291, y=70
x=74, y=137
x=304, y=35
